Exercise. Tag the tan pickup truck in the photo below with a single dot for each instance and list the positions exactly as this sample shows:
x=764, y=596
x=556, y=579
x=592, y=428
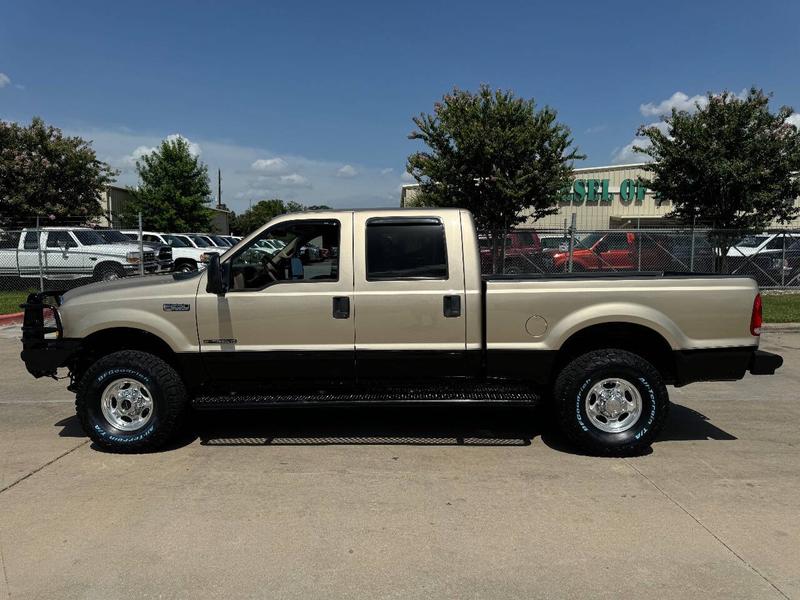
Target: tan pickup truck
x=390, y=307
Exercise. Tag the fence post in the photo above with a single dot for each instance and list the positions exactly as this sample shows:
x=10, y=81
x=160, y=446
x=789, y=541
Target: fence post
x=39, y=252
x=783, y=259
x=141, y=246
x=691, y=252
x=639, y=244
x=571, y=241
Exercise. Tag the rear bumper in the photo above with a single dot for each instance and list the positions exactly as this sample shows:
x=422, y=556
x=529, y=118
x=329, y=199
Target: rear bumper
x=764, y=363
x=723, y=364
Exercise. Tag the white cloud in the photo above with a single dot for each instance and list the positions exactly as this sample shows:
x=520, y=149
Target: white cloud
x=4, y=80
x=294, y=180
x=307, y=180
x=387, y=171
x=678, y=101
x=270, y=165
x=347, y=171
x=408, y=177
x=129, y=160
x=794, y=119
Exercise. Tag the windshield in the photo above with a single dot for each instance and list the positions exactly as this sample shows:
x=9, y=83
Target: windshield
x=113, y=237
x=220, y=241
x=200, y=241
x=87, y=237
x=175, y=241
x=589, y=240
x=752, y=241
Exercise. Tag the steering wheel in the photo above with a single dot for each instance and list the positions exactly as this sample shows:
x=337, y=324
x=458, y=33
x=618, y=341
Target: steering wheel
x=271, y=263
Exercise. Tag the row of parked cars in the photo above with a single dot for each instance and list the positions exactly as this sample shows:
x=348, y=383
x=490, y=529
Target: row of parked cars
x=67, y=253
x=771, y=258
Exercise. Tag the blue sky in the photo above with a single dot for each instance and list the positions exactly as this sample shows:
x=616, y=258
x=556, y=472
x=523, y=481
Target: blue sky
x=313, y=101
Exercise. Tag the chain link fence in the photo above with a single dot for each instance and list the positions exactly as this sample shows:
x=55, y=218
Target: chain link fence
x=42, y=257
x=771, y=257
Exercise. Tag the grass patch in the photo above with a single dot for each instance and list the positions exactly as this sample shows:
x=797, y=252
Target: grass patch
x=10, y=301
x=781, y=308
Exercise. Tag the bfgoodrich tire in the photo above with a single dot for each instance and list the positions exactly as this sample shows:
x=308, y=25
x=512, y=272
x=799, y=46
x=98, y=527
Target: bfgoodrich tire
x=130, y=401
x=611, y=402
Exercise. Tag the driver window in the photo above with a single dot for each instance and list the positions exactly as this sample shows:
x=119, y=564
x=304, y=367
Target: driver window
x=288, y=252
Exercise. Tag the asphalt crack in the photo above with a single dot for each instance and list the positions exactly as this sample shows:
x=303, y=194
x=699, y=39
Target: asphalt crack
x=44, y=466
x=711, y=533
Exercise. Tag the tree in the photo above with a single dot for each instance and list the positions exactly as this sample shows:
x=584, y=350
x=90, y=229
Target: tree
x=43, y=173
x=265, y=210
x=494, y=154
x=173, y=190
x=732, y=165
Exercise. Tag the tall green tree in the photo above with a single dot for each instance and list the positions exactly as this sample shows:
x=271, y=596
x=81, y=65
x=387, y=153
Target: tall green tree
x=731, y=164
x=45, y=173
x=265, y=210
x=173, y=191
x=494, y=154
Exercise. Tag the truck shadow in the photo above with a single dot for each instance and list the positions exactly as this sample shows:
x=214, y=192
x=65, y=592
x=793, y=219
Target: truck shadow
x=455, y=425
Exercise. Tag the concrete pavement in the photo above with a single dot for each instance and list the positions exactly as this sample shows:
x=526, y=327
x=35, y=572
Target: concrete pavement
x=464, y=502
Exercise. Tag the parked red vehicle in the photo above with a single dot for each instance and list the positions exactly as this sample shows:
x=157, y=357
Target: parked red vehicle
x=523, y=251
x=622, y=251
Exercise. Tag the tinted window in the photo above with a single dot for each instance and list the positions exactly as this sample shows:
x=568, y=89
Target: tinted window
x=200, y=241
x=616, y=241
x=88, y=238
x=31, y=240
x=176, y=241
x=406, y=249
x=114, y=237
x=57, y=239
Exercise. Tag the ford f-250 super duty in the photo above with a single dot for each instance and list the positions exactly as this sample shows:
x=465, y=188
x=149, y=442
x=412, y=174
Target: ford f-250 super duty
x=398, y=312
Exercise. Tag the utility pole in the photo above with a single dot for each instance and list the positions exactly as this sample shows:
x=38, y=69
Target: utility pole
x=219, y=188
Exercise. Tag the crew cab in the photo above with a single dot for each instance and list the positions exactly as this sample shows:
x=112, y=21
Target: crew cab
x=66, y=253
x=400, y=313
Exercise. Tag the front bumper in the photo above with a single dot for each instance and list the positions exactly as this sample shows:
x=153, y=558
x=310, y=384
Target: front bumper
x=44, y=355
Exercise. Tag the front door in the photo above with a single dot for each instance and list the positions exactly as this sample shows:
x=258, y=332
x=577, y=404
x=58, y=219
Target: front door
x=287, y=316
x=410, y=302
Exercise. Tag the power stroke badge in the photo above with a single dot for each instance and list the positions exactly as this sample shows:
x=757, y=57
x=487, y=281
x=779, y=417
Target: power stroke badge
x=177, y=308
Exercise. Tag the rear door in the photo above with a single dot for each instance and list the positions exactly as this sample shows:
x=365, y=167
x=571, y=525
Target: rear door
x=409, y=297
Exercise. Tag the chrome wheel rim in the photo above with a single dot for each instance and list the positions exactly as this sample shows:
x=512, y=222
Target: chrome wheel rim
x=127, y=404
x=613, y=405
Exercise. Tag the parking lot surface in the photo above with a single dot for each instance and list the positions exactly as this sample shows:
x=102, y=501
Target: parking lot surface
x=461, y=502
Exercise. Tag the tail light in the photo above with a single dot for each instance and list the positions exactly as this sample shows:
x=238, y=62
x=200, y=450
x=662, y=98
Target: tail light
x=757, y=318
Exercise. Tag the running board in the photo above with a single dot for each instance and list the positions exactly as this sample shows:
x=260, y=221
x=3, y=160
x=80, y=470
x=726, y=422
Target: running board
x=436, y=395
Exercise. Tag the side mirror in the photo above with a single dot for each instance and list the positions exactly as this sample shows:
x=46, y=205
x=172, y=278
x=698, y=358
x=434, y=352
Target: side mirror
x=217, y=282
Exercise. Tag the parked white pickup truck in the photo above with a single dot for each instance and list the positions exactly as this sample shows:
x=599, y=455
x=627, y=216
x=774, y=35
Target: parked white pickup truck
x=185, y=257
x=66, y=253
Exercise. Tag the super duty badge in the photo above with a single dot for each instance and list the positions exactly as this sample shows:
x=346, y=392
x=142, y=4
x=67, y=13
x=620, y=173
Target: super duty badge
x=177, y=308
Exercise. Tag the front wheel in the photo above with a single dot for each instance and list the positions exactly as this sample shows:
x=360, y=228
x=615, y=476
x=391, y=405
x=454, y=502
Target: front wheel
x=130, y=401
x=611, y=402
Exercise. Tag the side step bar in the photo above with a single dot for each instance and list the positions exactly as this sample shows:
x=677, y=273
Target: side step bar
x=443, y=395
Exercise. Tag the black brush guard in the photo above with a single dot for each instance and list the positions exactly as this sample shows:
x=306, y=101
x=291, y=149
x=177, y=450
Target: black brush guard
x=42, y=355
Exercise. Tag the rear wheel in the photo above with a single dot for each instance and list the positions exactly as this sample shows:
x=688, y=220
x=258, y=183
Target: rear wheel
x=130, y=401
x=611, y=402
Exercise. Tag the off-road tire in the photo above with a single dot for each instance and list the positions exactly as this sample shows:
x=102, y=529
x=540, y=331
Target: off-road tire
x=576, y=379
x=163, y=382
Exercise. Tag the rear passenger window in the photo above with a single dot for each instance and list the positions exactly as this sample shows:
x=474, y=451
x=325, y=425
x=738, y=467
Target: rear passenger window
x=411, y=248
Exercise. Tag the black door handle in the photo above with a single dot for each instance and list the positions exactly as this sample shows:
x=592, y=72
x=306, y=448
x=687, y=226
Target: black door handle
x=451, y=307
x=341, y=307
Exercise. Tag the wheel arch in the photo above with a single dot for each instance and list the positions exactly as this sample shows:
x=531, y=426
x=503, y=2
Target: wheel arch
x=623, y=335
